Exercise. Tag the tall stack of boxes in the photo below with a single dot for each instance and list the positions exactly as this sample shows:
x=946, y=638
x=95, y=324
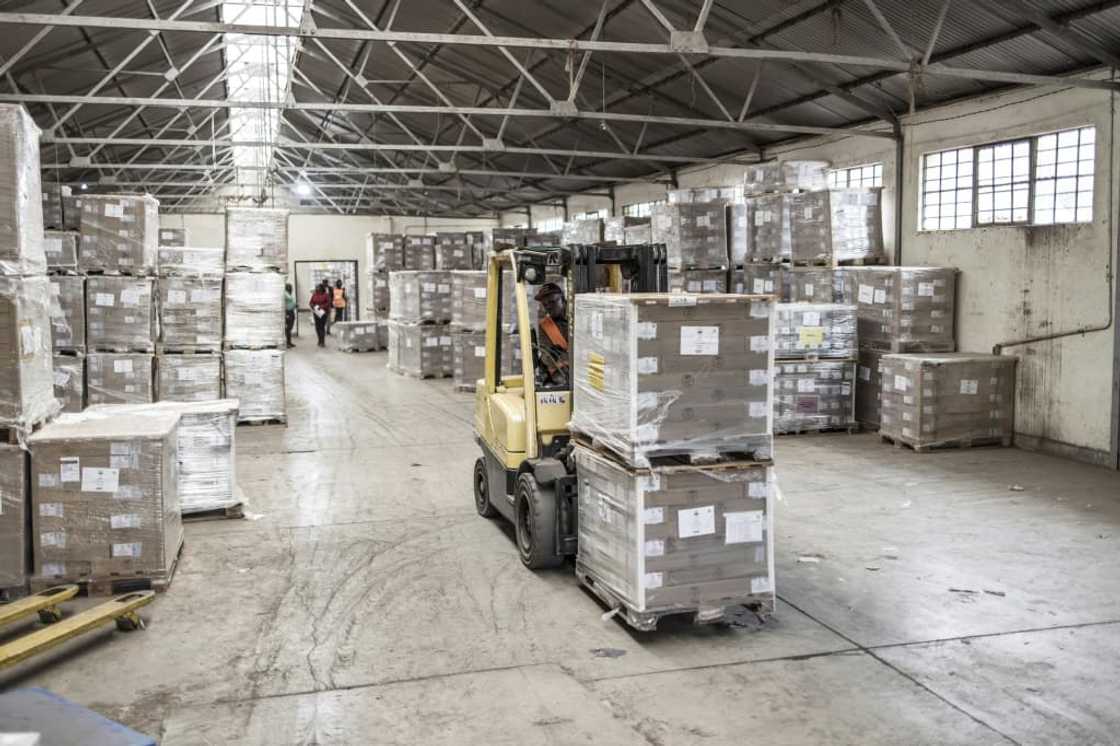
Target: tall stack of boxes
x=419, y=323
x=624, y=229
x=695, y=238
x=191, y=311
x=384, y=254
x=256, y=267
x=815, y=348
x=68, y=318
x=453, y=252
x=468, y=329
x=672, y=419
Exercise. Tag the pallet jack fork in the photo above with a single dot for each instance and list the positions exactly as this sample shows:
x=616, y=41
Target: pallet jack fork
x=121, y=610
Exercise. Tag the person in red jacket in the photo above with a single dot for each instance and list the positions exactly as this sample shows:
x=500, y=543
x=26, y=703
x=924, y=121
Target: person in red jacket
x=320, y=311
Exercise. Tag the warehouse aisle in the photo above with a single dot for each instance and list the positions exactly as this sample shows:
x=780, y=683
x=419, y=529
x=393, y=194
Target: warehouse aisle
x=366, y=602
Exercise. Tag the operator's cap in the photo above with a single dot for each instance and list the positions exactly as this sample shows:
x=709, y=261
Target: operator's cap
x=547, y=289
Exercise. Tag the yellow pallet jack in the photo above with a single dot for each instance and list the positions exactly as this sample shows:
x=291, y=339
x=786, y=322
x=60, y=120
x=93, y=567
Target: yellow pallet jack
x=121, y=609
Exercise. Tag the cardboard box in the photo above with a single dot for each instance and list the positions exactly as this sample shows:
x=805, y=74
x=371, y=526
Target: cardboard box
x=721, y=194
x=582, y=232
x=813, y=285
x=468, y=355
x=384, y=252
x=256, y=239
x=503, y=239
x=638, y=234
x=71, y=212
x=822, y=227
x=120, y=378
x=188, y=378
x=694, y=234
x=814, y=395
x=421, y=350
x=190, y=313
x=468, y=300
x=869, y=390
x=357, y=336
x=904, y=309
x=953, y=398
x=104, y=496
x=119, y=234
x=740, y=237
x=759, y=279
x=61, y=250
x=14, y=541
x=614, y=229
x=824, y=330
x=173, y=237
x=857, y=224
x=121, y=314
x=68, y=313
x=26, y=388
x=379, y=294
x=417, y=297
x=677, y=538
x=70, y=382
x=256, y=379
x=254, y=306
x=453, y=251
x=784, y=176
x=665, y=374
x=21, y=204
x=52, y=205
x=698, y=281
x=189, y=261
x=419, y=252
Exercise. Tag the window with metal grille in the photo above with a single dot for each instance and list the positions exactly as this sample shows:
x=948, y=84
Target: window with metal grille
x=641, y=209
x=549, y=225
x=1003, y=182
x=947, y=186
x=1063, y=172
x=601, y=214
x=867, y=175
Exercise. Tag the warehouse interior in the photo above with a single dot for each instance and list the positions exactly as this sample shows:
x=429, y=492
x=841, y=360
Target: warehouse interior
x=827, y=449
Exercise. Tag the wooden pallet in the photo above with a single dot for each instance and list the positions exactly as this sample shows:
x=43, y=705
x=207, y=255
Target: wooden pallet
x=254, y=421
x=70, y=352
x=418, y=376
x=253, y=348
x=123, y=350
x=16, y=436
x=466, y=388
x=187, y=350
x=232, y=512
x=895, y=347
x=900, y=443
x=669, y=458
x=113, y=583
x=116, y=273
x=849, y=429
x=360, y=349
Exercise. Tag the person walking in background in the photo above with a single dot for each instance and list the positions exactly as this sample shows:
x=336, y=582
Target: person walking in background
x=289, y=313
x=340, y=301
x=320, y=310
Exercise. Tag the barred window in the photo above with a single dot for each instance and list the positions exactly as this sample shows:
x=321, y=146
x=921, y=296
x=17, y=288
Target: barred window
x=641, y=209
x=868, y=175
x=947, y=186
x=1064, y=177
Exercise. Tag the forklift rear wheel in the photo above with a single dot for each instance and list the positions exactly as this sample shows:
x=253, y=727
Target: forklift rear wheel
x=482, y=490
x=536, y=524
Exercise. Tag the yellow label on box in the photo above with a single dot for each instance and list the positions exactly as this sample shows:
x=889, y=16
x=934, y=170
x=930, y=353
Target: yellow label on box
x=812, y=336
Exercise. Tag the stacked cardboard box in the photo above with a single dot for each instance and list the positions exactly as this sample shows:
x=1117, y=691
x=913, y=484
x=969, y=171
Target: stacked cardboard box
x=468, y=328
x=695, y=238
x=191, y=261
x=614, y=229
x=120, y=378
x=582, y=232
x=52, y=205
x=188, y=378
x=785, y=176
x=256, y=240
x=904, y=309
x=818, y=330
x=422, y=351
x=931, y=400
x=814, y=382
x=21, y=209
x=26, y=363
x=254, y=306
x=503, y=239
x=638, y=234
x=358, y=336
x=173, y=237
x=70, y=381
x=468, y=352
x=61, y=250
x=698, y=281
x=477, y=241
x=15, y=565
x=419, y=327
x=68, y=313
x=71, y=211
x=453, y=251
x=191, y=313
x=384, y=254
x=722, y=194
x=869, y=390
x=818, y=228
x=419, y=252
x=255, y=378
x=119, y=234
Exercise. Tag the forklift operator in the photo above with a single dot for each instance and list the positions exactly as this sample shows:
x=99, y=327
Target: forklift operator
x=552, y=345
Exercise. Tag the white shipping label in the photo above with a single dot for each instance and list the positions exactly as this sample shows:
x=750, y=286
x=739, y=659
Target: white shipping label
x=103, y=299
x=760, y=377
x=70, y=469
x=185, y=374
x=760, y=310
x=759, y=285
x=114, y=211
x=177, y=297
x=760, y=343
x=428, y=287
x=699, y=340
x=48, y=480
x=431, y=341
x=811, y=318
x=758, y=409
x=702, y=221
x=652, y=580
x=51, y=510
x=54, y=569
x=480, y=351
x=866, y=294
x=122, y=366
x=760, y=488
x=880, y=295
x=806, y=385
x=744, y=527
x=808, y=290
x=711, y=286
x=696, y=521
x=647, y=330
x=647, y=400
x=27, y=340
x=647, y=365
x=759, y=218
x=130, y=297
x=864, y=373
x=445, y=341
x=597, y=324
x=124, y=520
x=679, y=299
x=807, y=213
x=651, y=483
x=444, y=288
x=655, y=548
x=480, y=293
x=901, y=383
x=653, y=515
x=925, y=288
x=760, y=585
x=53, y=539
x=133, y=549
x=969, y=387
x=100, y=480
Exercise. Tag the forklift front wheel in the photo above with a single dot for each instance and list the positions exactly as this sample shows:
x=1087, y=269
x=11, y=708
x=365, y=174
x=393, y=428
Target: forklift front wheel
x=482, y=490
x=536, y=524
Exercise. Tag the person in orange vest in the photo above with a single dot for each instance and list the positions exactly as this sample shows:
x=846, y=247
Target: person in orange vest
x=339, y=301
x=552, y=337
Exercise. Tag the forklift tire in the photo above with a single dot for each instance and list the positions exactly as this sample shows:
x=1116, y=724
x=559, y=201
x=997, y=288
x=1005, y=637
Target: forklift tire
x=482, y=490
x=535, y=526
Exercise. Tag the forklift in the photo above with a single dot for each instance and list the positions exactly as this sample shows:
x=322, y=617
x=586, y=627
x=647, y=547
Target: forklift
x=526, y=474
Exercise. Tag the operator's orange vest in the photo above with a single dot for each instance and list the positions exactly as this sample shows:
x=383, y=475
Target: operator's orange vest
x=552, y=331
x=339, y=298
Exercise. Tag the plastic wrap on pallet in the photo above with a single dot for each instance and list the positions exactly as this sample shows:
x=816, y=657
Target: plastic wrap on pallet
x=384, y=252
x=61, y=250
x=188, y=378
x=26, y=391
x=21, y=203
x=119, y=234
x=939, y=399
x=665, y=374
x=71, y=212
x=810, y=227
x=52, y=205
x=256, y=379
x=190, y=313
x=785, y=176
x=417, y=297
x=614, y=229
x=770, y=239
x=120, y=313
x=903, y=309
x=503, y=239
x=357, y=336
x=453, y=251
x=421, y=350
x=70, y=382
x=698, y=280
x=813, y=285
x=104, y=495
x=551, y=238
x=582, y=232
x=256, y=239
x=815, y=330
x=419, y=252
x=173, y=237
x=760, y=279
x=68, y=312
x=857, y=224
x=740, y=237
x=814, y=395
x=120, y=378
x=254, y=306
x=377, y=290
x=186, y=261
x=721, y=194
x=13, y=517
x=869, y=391
x=638, y=234
x=468, y=352
x=676, y=538
x=468, y=300
x=694, y=234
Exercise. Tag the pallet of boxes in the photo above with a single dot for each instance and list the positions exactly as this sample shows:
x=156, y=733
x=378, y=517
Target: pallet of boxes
x=256, y=265
x=191, y=313
x=693, y=228
x=815, y=347
x=384, y=254
x=468, y=329
x=671, y=416
x=420, y=314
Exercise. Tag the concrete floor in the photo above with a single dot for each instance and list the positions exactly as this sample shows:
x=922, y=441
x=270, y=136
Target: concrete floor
x=923, y=601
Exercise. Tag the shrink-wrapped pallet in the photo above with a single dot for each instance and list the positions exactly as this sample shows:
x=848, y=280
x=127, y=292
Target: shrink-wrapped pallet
x=186, y=261
x=52, y=205
x=453, y=251
x=903, y=309
x=785, y=176
x=61, y=250
x=173, y=237
x=812, y=285
x=769, y=239
x=760, y=279
x=21, y=202
x=792, y=228
x=668, y=374
x=856, y=217
x=814, y=395
x=256, y=379
x=420, y=297
x=468, y=300
x=120, y=378
x=384, y=252
x=357, y=336
x=721, y=194
x=419, y=252
x=826, y=330
x=740, y=236
x=104, y=496
x=614, y=229
x=940, y=399
x=121, y=314
x=71, y=212
x=550, y=238
x=676, y=538
x=14, y=542
x=256, y=239
x=694, y=234
x=698, y=280
x=254, y=307
x=638, y=234
x=190, y=313
x=420, y=350
x=68, y=313
x=26, y=389
x=586, y=232
x=188, y=378
x=869, y=390
x=70, y=382
x=503, y=239
x=379, y=294
x=120, y=234
x=469, y=357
